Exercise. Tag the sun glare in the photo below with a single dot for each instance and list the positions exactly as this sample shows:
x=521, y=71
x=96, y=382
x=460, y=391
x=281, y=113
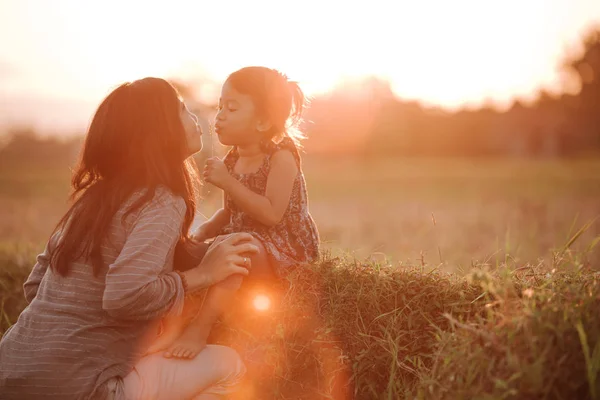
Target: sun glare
x=261, y=302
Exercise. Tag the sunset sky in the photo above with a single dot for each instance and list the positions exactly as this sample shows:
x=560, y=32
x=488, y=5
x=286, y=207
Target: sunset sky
x=59, y=58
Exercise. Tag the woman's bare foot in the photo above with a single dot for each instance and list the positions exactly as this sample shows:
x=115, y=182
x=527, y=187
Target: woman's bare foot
x=191, y=342
x=169, y=335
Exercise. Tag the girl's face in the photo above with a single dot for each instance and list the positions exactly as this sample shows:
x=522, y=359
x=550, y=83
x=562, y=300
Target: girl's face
x=193, y=132
x=236, y=122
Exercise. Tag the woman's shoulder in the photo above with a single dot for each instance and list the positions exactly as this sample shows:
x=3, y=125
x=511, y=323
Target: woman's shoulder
x=163, y=200
x=170, y=199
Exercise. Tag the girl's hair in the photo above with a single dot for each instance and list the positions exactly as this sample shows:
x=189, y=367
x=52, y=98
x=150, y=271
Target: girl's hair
x=277, y=99
x=135, y=142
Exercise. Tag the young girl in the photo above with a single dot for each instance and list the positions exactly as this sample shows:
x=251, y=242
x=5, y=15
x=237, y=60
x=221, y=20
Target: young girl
x=264, y=187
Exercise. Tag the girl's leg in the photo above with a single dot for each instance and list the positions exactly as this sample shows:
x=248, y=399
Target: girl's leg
x=172, y=327
x=219, y=299
x=215, y=372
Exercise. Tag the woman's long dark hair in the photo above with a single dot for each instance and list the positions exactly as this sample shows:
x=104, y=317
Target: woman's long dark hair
x=136, y=141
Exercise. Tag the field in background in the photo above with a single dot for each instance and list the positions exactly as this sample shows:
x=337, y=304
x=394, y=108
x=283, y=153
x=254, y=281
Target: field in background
x=449, y=212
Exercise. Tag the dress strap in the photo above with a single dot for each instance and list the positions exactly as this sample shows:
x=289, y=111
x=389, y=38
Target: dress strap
x=285, y=144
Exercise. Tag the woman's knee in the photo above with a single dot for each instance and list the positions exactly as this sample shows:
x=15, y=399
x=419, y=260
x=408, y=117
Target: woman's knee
x=228, y=366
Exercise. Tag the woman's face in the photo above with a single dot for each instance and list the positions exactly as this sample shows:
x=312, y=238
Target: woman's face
x=193, y=131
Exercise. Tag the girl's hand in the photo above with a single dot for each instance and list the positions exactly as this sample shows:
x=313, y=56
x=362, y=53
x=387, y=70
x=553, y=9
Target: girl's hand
x=216, y=172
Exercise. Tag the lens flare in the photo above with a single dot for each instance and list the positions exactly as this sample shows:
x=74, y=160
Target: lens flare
x=261, y=302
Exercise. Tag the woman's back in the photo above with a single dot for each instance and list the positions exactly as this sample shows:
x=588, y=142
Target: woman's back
x=79, y=330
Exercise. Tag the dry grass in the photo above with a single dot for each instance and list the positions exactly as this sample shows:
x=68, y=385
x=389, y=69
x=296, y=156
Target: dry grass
x=348, y=330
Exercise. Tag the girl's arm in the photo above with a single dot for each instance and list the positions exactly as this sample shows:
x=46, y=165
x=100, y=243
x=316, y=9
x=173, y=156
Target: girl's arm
x=270, y=208
x=214, y=224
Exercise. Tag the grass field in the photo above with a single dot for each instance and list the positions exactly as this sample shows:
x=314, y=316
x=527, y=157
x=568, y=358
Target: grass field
x=452, y=212
x=444, y=279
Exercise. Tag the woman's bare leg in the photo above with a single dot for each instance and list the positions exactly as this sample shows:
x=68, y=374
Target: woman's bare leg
x=216, y=372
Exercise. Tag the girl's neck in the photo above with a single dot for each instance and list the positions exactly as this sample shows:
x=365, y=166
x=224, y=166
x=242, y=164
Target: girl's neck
x=249, y=151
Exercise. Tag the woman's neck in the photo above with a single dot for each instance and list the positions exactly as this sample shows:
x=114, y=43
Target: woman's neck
x=249, y=151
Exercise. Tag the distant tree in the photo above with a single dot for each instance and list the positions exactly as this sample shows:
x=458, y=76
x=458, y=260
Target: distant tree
x=586, y=67
x=26, y=149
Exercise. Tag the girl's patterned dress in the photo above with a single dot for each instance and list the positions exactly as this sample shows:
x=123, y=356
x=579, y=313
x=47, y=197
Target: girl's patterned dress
x=295, y=239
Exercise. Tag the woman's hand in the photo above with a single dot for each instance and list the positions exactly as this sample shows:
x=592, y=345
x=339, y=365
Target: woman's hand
x=228, y=255
x=216, y=172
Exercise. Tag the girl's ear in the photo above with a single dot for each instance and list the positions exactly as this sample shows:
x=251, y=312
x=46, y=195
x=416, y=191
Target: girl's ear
x=263, y=126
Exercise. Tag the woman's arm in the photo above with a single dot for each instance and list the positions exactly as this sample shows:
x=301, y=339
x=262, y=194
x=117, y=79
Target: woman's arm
x=270, y=208
x=31, y=285
x=136, y=286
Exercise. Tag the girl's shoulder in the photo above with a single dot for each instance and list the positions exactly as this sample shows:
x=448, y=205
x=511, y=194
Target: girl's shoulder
x=231, y=157
x=285, y=144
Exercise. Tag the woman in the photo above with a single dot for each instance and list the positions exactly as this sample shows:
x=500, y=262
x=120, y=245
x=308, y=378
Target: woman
x=97, y=293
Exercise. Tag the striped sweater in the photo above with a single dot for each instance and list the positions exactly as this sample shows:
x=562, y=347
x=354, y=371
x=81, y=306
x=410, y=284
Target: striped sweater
x=79, y=331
